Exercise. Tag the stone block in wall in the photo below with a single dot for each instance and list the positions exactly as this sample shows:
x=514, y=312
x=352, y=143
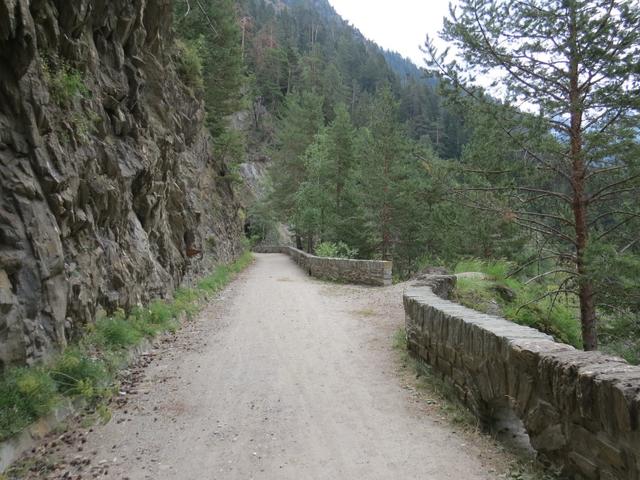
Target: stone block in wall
x=583, y=465
x=549, y=440
x=540, y=415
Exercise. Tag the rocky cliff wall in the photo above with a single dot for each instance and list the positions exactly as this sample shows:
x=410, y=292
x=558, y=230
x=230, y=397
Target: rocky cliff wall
x=109, y=192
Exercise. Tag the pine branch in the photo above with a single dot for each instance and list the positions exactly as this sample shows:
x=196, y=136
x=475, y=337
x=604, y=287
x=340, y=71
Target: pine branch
x=550, y=272
x=542, y=192
x=615, y=227
x=603, y=191
x=548, y=232
x=614, y=212
x=546, y=295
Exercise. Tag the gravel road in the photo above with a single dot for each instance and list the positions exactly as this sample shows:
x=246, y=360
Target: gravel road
x=282, y=377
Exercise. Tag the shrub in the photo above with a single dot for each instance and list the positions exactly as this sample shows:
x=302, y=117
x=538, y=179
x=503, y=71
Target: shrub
x=335, y=250
x=65, y=83
x=25, y=395
x=75, y=373
x=190, y=65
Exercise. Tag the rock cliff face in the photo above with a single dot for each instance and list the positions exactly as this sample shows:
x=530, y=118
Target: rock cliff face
x=108, y=191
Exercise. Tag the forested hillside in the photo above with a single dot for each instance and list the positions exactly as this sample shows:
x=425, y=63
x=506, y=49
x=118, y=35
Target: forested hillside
x=321, y=96
x=368, y=157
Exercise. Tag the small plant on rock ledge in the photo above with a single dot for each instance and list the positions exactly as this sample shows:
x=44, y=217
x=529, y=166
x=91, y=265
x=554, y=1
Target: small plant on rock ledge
x=65, y=82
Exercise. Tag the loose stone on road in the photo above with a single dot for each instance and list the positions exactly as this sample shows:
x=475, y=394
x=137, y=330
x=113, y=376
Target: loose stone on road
x=283, y=377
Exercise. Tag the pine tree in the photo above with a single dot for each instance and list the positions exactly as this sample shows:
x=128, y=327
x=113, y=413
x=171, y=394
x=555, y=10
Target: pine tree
x=212, y=26
x=380, y=157
x=302, y=120
x=575, y=62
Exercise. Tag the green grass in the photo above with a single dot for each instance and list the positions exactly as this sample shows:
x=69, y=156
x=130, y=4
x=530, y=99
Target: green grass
x=88, y=369
x=77, y=373
x=528, y=304
x=533, y=306
x=65, y=82
x=496, y=269
x=117, y=332
x=25, y=395
x=556, y=316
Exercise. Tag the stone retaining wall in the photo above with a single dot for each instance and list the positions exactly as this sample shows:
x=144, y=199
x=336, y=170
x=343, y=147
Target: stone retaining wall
x=367, y=272
x=580, y=409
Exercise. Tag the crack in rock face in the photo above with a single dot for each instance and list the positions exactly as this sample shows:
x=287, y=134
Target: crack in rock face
x=107, y=183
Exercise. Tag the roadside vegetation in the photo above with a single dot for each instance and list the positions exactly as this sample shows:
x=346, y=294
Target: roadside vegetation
x=335, y=250
x=499, y=287
x=87, y=371
x=497, y=290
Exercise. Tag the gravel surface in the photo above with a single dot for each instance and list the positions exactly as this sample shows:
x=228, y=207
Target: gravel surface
x=281, y=377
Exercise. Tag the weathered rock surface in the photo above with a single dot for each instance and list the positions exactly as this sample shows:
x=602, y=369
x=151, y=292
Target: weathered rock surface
x=580, y=409
x=108, y=187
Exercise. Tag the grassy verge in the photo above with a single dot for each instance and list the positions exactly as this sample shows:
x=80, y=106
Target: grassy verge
x=441, y=396
x=88, y=369
x=526, y=304
x=534, y=305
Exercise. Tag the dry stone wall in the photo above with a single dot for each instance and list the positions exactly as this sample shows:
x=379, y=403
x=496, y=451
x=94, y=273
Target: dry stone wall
x=366, y=272
x=580, y=409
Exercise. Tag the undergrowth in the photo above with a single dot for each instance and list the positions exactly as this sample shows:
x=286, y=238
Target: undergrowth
x=538, y=306
x=88, y=369
x=496, y=292
x=65, y=82
x=189, y=61
x=335, y=250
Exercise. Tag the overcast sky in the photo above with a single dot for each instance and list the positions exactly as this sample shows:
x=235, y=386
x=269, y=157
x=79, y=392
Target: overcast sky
x=400, y=25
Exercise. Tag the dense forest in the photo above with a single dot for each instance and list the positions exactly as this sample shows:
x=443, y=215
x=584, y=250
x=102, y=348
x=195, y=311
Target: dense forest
x=371, y=157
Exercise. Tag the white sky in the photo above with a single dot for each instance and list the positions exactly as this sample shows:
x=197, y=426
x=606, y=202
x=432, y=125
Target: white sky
x=400, y=25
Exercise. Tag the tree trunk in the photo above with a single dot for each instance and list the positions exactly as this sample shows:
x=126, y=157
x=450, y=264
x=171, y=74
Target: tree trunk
x=579, y=204
x=386, y=234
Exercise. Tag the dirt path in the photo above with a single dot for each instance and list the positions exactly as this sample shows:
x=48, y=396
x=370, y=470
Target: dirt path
x=285, y=377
